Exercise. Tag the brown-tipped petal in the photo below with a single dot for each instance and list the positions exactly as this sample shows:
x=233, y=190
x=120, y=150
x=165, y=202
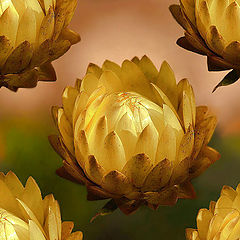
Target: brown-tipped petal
x=94, y=171
x=216, y=63
x=49, y=51
x=167, y=197
x=41, y=55
x=198, y=44
x=19, y=59
x=178, y=16
x=58, y=49
x=137, y=169
x=81, y=147
x=186, y=191
x=180, y=172
x=117, y=183
x=95, y=70
x=158, y=176
x=6, y=47
x=199, y=167
x=75, y=172
x=215, y=40
x=232, y=52
x=46, y=73
x=126, y=206
x=186, y=145
x=68, y=99
x=201, y=114
x=188, y=45
x=203, y=134
x=47, y=27
x=63, y=173
x=26, y=79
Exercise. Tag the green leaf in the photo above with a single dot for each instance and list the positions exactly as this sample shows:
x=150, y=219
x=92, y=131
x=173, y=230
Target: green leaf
x=229, y=79
x=108, y=208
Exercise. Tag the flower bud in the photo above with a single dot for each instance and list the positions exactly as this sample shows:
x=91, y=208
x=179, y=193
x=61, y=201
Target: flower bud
x=132, y=134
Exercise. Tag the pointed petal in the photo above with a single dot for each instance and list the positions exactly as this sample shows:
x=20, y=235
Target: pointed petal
x=158, y=177
x=116, y=182
x=137, y=169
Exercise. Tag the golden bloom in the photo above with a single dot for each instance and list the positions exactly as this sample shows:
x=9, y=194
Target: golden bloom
x=132, y=134
x=33, y=33
x=24, y=215
x=221, y=221
x=212, y=28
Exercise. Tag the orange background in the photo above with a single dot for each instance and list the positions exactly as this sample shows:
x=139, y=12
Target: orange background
x=121, y=29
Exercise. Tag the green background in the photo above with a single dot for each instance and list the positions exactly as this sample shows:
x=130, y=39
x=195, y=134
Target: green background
x=27, y=152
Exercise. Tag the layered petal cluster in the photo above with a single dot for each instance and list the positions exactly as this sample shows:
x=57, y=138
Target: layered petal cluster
x=132, y=134
x=212, y=28
x=24, y=215
x=33, y=33
x=221, y=221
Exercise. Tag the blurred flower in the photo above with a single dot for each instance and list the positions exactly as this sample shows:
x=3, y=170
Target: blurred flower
x=212, y=28
x=25, y=215
x=132, y=134
x=221, y=221
x=33, y=33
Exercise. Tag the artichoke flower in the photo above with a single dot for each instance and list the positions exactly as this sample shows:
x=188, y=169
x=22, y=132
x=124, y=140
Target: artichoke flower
x=221, y=221
x=24, y=215
x=212, y=28
x=133, y=135
x=33, y=33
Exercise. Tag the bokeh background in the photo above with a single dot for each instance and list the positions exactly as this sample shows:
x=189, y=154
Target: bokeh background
x=117, y=30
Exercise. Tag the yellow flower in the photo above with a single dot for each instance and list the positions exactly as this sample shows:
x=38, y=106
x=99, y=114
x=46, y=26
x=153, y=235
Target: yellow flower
x=24, y=215
x=33, y=33
x=212, y=28
x=132, y=134
x=221, y=221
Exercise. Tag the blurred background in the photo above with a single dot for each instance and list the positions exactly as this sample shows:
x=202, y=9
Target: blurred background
x=117, y=30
